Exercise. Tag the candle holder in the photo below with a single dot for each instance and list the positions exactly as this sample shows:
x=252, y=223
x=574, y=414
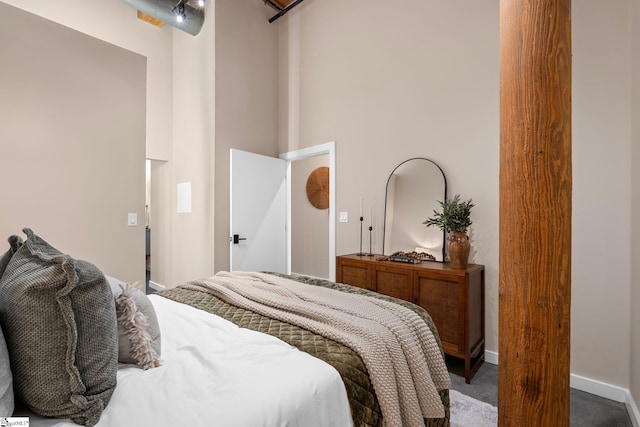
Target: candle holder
x=370, y=234
x=361, y=253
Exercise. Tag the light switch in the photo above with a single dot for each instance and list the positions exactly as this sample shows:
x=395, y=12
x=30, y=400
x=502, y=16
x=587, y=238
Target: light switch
x=132, y=219
x=344, y=216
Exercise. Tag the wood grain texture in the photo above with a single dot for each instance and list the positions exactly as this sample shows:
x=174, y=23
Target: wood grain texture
x=442, y=299
x=535, y=213
x=318, y=188
x=395, y=282
x=150, y=19
x=283, y=3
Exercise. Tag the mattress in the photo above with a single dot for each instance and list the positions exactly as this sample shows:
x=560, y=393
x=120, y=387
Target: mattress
x=215, y=373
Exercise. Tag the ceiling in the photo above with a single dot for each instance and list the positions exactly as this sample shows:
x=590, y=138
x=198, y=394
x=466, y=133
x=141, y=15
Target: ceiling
x=281, y=7
x=282, y=3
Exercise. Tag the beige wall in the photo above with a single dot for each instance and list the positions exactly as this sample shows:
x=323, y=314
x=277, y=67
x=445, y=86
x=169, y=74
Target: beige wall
x=175, y=237
x=117, y=23
x=246, y=79
x=601, y=279
x=309, y=225
x=72, y=138
x=192, y=249
x=635, y=197
x=423, y=81
x=419, y=82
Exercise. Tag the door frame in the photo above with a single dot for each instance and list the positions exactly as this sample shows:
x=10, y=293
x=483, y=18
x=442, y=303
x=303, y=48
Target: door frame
x=291, y=156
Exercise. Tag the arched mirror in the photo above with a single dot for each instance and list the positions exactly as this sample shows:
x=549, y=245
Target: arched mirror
x=413, y=190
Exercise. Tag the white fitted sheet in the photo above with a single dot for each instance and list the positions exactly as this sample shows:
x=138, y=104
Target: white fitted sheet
x=216, y=374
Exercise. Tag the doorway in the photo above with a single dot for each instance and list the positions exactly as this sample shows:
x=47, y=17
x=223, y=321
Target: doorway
x=328, y=150
x=157, y=225
x=245, y=236
x=309, y=224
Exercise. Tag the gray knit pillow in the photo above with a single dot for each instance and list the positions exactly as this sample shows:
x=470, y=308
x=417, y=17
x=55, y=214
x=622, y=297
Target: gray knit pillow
x=14, y=244
x=59, y=321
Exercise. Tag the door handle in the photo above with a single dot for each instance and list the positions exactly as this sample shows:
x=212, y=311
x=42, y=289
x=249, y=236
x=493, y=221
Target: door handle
x=237, y=238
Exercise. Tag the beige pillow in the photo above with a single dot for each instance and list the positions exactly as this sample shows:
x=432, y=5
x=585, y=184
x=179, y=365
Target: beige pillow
x=139, y=340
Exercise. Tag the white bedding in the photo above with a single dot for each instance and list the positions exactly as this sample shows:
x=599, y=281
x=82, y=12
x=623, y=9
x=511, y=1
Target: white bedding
x=216, y=374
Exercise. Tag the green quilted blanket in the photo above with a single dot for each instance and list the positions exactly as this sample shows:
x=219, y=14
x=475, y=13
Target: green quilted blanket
x=364, y=405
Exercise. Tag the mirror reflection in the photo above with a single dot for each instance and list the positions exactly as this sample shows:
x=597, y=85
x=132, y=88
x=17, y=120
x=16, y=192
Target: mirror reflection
x=413, y=190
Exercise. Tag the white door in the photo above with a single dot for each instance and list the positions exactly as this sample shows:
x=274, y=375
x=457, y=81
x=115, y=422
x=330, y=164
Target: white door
x=258, y=213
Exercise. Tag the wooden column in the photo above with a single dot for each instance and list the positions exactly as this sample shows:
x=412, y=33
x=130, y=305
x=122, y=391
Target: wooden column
x=535, y=213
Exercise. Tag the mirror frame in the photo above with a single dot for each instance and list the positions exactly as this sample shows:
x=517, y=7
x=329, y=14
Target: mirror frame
x=386, y=190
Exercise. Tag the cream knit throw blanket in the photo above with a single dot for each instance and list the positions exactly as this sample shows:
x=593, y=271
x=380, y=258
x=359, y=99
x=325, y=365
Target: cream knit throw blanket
x=402, y=357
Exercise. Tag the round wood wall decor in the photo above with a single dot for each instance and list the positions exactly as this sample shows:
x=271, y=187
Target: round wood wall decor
x=318, y=187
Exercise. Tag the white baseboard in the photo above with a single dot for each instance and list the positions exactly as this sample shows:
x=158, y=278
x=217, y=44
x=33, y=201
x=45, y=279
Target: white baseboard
x=156, y=286
x=633, y=410
x=599, y=388
x=591, y=386
x=491, y=357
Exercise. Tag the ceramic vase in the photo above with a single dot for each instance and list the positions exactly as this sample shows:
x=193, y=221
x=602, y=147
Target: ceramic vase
x=459, y=248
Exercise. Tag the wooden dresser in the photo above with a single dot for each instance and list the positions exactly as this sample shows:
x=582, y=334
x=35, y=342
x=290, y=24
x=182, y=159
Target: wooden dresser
x=453, y=297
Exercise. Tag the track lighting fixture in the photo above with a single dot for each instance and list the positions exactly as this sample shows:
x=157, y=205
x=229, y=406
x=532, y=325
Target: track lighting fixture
x=185, y=15
x=179, y=10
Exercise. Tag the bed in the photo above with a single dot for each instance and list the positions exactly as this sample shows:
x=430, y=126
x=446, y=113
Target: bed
x=210, y=375
x=222, y=364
